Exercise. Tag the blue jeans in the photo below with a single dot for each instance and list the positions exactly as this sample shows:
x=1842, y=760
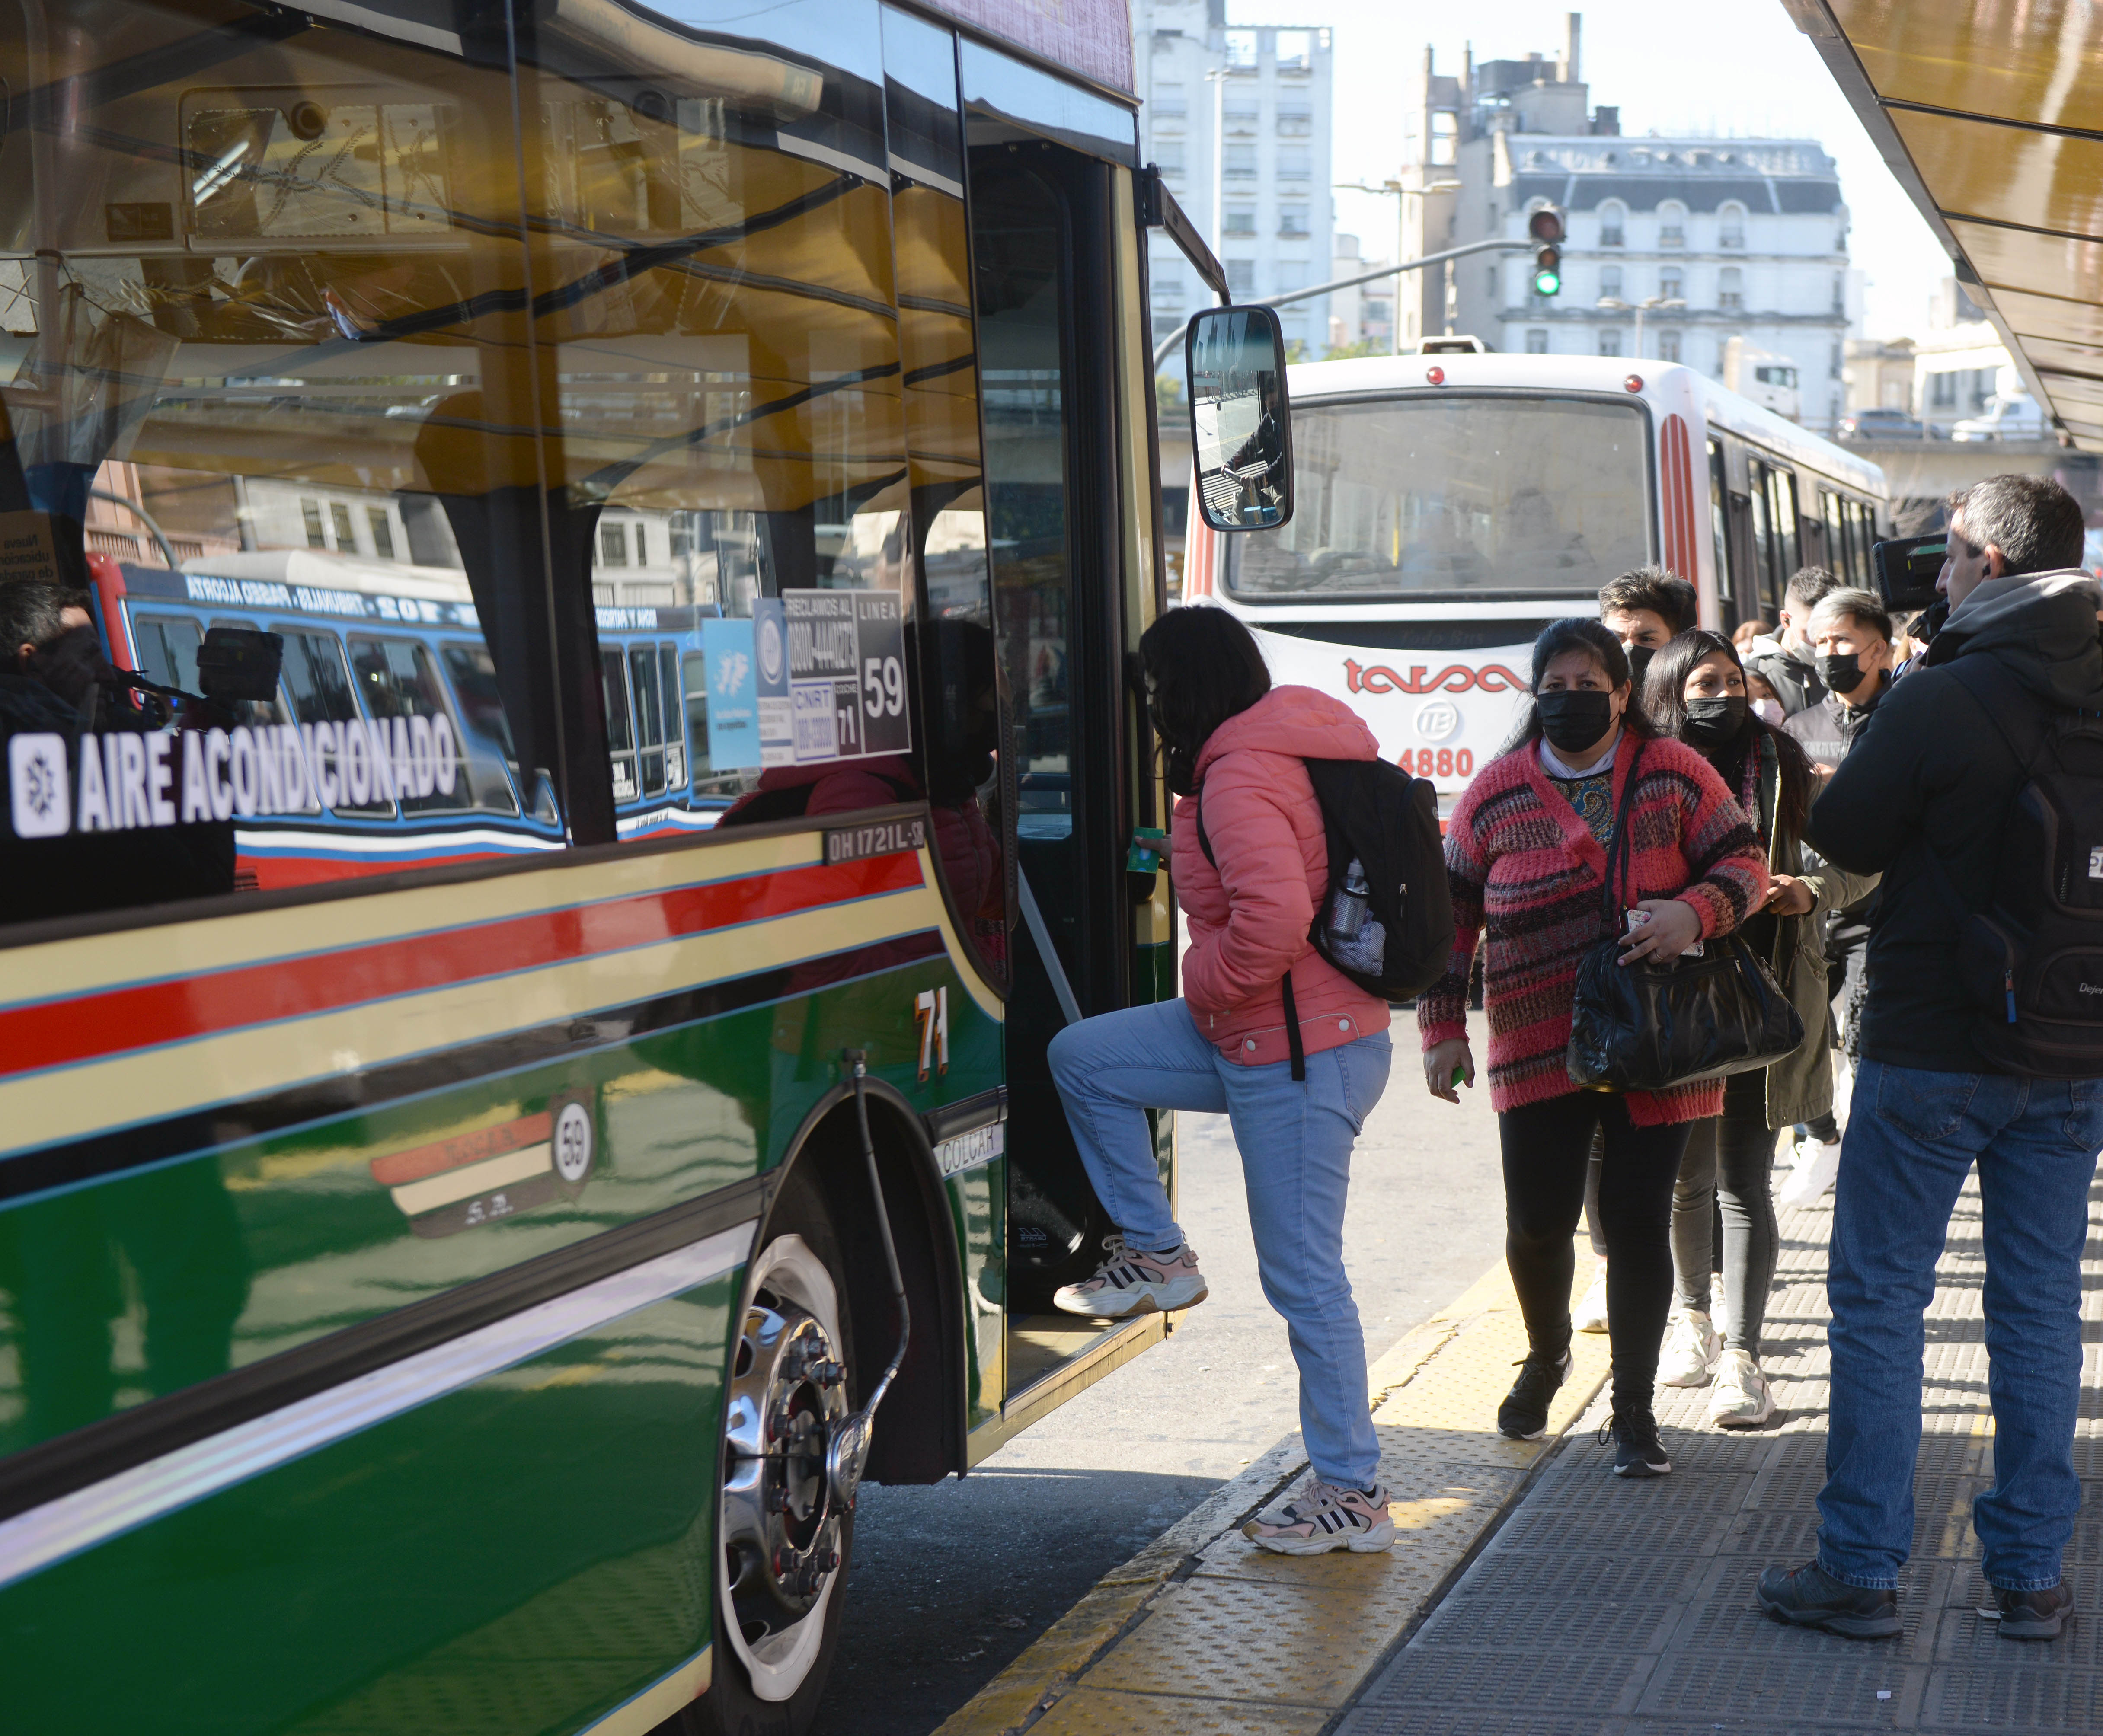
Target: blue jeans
x=1295, y=1140
x=1911, y=1141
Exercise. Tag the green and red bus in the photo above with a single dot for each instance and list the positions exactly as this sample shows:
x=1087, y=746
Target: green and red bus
x=641, y=515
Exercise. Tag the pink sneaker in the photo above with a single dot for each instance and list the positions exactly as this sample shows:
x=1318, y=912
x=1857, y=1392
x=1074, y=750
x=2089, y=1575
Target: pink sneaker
x=1322, y=1517
x=1130, y=1282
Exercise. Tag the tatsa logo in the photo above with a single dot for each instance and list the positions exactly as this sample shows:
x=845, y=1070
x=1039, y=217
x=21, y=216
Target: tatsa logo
x=1492, y=677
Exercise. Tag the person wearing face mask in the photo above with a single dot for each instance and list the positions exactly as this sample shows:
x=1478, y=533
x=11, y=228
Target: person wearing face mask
x=1527, y=860
x=1851, y=634
x=1697, y=691
x=1784, y=659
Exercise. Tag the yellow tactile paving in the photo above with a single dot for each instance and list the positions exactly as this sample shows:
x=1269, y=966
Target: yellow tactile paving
x=1203, y=1633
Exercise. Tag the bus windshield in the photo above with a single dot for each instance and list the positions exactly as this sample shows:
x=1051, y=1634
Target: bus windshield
x=1406, y=496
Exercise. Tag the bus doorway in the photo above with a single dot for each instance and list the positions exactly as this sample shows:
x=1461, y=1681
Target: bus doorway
x=1041, y=242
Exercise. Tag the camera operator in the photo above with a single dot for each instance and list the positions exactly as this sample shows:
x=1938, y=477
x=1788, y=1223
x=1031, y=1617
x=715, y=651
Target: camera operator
x=52, y=683
x=1927, y=796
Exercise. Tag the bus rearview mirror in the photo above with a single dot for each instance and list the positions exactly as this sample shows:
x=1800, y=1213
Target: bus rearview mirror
x=1241, y=421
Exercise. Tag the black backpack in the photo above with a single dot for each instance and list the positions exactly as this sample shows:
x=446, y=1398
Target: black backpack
x=1376, y=813
x=2032, y=961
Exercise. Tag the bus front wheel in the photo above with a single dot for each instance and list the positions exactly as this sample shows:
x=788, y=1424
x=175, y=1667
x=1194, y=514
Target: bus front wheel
x=783, y=1538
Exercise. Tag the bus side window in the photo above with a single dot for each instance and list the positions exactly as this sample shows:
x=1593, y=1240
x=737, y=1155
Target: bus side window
x=619, y=735
x=474, y=674
x=319, y=684
x=649, y=717
x=1719, y=496
x=1766, y=558
x=1781, y=515
x=168, y=650
x=675, y=740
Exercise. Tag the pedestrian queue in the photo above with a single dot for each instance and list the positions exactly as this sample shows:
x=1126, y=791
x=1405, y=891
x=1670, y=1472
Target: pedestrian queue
x=1696, y=693
x=1588, y=832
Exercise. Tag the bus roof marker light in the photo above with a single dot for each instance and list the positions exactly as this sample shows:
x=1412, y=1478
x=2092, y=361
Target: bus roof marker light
x=1436, y=375
x=1634, y=382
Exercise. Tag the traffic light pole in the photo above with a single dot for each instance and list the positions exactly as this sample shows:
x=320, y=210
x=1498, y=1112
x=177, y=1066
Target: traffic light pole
x=1168, y=344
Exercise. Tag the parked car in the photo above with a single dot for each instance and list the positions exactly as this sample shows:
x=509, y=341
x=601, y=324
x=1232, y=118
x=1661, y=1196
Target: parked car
x=1880, y=424
x=2012, y=416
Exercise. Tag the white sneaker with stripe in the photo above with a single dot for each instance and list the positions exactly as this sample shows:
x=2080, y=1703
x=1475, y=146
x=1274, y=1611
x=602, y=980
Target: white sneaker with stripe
x=1322, y=1517
x=1131, y=1282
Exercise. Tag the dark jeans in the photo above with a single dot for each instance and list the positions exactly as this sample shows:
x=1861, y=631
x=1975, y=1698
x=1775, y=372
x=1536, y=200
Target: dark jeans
x=1547, y=1147
x=1728, y=1164
x=1913, y=1138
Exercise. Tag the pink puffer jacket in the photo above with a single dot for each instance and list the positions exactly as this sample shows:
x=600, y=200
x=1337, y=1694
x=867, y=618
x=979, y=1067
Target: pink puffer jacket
x=1249, y=919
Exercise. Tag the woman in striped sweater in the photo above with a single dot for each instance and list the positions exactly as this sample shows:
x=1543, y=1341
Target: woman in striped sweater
x=1525, y=856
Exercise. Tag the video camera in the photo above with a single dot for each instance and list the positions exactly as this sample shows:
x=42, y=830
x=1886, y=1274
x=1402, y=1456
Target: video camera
x=236, y=666
x=1907, y=568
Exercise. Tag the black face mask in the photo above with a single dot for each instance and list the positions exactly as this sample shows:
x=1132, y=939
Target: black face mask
x=1575, y=717
x=73, y=666
x=1714, y=723
x=1841, y=673
x=1639, y=657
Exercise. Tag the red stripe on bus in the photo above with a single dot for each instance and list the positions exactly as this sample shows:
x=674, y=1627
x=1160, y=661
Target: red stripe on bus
x=95, y=1026
x=1681, y=546
x=397, y=1168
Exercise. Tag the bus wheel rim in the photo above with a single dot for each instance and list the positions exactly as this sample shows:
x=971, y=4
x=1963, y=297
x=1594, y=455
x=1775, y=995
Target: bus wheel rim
x=778, y=1547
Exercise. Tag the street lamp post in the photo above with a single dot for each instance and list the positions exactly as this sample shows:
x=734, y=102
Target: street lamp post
x=1614, y=304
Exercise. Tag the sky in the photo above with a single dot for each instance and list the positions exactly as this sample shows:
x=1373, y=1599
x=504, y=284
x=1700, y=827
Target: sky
x=1725, y=67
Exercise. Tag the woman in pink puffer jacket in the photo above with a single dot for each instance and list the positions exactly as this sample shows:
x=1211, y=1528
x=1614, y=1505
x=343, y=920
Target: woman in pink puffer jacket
x=1223, y=1050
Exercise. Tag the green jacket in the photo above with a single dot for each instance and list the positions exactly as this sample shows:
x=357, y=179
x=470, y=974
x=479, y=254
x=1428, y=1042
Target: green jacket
x=1800, y=1087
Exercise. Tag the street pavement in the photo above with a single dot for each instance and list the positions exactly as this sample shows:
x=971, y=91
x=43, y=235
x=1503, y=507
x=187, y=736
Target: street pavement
x=950, y=1583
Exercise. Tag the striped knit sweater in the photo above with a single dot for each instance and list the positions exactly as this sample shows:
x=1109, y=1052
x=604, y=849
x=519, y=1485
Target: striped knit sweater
x=1527, y=874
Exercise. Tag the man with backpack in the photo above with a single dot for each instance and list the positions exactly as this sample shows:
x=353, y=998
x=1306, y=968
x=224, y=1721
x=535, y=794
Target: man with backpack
x=1978, y=791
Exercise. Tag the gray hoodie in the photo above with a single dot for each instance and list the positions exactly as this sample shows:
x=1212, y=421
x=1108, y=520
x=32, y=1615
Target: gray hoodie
x=1932, y=765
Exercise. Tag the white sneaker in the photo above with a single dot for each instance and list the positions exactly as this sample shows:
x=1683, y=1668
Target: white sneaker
x=1322, y=1517
x=1741, y=1399
x=1812, y=1175
x=1131, y=1282
x=1590, y=1314
x=1691, y=1349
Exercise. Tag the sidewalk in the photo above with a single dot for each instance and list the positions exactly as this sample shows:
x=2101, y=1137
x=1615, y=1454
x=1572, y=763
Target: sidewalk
x=1532, y=1593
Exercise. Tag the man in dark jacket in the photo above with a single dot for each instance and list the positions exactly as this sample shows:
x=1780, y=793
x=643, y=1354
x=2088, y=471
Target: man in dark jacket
x=1783, y=658
x=1930, y=782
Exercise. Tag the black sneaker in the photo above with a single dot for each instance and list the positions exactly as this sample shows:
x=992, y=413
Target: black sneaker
x=1523, y=1415
x=1808, y=1596
x=1638, y=1452
x=2033, y=1615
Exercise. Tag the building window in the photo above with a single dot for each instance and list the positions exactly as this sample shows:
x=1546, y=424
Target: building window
x=1537, y=342
x=1241, y=279
x=383, y=531
x=1832, y=362
x=311, y=512
x=1731, y=225
x=641, y=545
x=1610, y=343
x=1292, y=219
x=1167, y=103
x=1296, y=50
x=1667, y=346
x=1612, y=214
x=1167, y=325
x=1240, y=219
x=1292, y=163
x=1672, y=224
x=1168, y=288
x=1839, y=292
x=1294, y=121
x=1942, y=391
x=1237, y=162
x=1241, y=118
x=1671, y=284
x=613, y=545
x=1610, y=283
x=1731, y=290
x=1168, y=156
x=346, y=538
x=1241, y=50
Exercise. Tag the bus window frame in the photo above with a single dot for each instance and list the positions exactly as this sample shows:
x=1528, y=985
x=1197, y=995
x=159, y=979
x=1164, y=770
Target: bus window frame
x=1230, y=556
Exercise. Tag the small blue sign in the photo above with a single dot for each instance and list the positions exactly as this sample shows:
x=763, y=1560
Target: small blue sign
x=726, y=652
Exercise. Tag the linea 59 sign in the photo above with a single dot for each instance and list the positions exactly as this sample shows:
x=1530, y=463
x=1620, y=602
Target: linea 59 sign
x=128, y=780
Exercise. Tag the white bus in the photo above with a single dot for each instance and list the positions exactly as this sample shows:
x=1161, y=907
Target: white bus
x=1450, y=506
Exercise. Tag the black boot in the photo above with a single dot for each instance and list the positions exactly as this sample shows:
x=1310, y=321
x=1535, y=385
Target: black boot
x=1808, y=1596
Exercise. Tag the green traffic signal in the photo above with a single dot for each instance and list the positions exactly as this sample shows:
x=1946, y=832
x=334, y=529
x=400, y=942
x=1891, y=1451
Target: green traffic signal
x=1547, y=280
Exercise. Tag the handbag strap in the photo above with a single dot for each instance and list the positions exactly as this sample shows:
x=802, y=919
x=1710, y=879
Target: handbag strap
x=1618, y=844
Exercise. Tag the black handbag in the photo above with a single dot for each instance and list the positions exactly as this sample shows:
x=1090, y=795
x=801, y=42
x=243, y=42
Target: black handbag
x=1647, y=1027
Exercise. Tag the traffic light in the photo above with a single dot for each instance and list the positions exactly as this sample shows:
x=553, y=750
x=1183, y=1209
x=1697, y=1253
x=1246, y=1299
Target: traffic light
x=1546, y=226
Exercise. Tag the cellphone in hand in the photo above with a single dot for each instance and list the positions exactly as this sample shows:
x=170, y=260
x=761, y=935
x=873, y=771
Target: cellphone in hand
x=1637, y=918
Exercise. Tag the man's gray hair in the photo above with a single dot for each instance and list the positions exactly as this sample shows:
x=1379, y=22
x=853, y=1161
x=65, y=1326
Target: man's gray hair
x=1866, y=606
x=29, y=614
x=2036, y=524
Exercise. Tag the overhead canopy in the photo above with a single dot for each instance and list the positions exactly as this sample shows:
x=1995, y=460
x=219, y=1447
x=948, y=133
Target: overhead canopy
x=1990, y=113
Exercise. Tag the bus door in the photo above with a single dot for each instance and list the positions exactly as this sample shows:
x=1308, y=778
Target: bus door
x=1042, y=239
